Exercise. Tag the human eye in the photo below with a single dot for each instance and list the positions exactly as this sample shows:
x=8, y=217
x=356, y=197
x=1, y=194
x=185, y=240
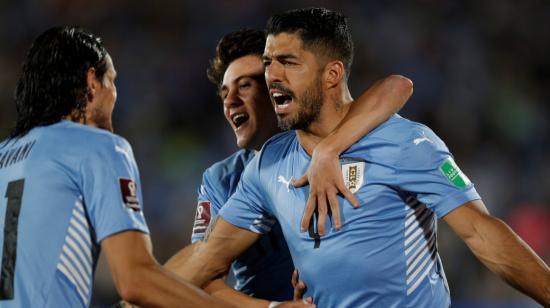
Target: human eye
x=223, y=94
x=245, y=84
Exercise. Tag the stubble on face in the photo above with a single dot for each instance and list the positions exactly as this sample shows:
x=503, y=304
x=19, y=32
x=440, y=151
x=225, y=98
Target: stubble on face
x=310, y=103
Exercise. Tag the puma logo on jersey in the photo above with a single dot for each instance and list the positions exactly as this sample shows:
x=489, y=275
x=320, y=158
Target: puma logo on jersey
x=122, y=151
x=417, y=141
x=281, y=179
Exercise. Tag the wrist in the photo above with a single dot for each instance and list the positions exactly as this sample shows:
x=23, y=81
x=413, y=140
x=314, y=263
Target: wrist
x=330, y=146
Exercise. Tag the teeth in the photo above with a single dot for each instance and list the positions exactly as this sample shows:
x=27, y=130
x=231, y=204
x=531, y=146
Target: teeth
x=239, y=118
x=277, y=94
x=236, y=116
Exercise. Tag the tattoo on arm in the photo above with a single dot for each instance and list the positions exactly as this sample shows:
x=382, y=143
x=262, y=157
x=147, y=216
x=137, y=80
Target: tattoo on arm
x=209, y=230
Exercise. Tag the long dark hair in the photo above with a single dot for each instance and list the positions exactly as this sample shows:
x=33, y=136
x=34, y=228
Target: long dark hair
x=53, y=80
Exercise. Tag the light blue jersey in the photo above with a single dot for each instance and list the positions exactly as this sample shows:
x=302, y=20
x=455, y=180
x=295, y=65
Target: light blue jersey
x=385, y=254
x=65, y=187
x=265, y=269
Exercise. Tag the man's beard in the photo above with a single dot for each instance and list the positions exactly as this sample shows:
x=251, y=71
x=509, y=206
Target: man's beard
x=309, y=108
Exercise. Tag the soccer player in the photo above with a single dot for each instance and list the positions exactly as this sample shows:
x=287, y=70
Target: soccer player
x=385, y=253
x=71, y=187
x=264, y=271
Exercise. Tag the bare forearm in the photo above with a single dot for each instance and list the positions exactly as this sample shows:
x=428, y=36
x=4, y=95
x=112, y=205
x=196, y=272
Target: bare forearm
x=373, y=107
x=211, y=258
x=158, y=287
x=218, y=288
x=501, y=250
x=507, y=255
x=197, y=267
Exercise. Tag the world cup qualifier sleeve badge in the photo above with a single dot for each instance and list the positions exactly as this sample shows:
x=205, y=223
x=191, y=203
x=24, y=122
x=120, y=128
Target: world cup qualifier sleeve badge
x=128, y=189
x=451, y=171
x=202, y=217
x=353, y=173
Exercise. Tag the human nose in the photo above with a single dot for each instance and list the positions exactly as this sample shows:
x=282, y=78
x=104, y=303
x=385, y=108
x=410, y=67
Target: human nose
x=274, y=72
x=232, y=99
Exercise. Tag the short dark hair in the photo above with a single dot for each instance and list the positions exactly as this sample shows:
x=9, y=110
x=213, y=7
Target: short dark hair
x=232, y=46
x=53, y=80
x=322, y=31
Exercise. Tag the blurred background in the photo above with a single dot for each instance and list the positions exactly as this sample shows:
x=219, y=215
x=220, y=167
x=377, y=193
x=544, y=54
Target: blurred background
x=481, y=73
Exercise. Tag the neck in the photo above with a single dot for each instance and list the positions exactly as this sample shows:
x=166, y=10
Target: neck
x=333, y=111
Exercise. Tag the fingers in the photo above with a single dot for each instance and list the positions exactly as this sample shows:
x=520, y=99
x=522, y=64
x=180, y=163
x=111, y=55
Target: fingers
x=308, y=212
x=322, y=210
x=303, y=181
x=294, y=279
x=348, y=195
x=299, y=290
x=299, y=286
x=335, y=209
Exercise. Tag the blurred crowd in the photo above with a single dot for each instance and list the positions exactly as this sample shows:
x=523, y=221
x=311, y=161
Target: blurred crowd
x=480, y=70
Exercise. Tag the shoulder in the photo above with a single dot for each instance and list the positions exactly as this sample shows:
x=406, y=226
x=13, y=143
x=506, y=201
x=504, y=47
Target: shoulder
x=84, y=136
x=400, y=141
x=96, y=147
x=230, y=166
x=223, y=176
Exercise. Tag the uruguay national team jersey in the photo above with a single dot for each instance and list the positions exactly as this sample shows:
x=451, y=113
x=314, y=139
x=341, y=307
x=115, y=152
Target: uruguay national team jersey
x=265, y=269
x=65, y=187
x=385, y=254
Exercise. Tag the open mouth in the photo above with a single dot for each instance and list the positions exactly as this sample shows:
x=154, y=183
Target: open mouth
x=239, y=119
x=281, y=99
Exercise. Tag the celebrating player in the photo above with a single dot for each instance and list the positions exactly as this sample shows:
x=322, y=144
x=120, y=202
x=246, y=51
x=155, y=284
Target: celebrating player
x=385, y=253
x=264, y=271
x=72, y=190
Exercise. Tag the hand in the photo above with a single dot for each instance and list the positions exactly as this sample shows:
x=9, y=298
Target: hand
x=325, y=178
x=299, y=287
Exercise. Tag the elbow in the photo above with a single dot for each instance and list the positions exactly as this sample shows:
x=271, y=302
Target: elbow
x=130, y=285
x=400, y=84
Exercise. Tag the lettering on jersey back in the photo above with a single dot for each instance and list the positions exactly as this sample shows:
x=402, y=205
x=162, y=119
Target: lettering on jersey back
x=15, y=155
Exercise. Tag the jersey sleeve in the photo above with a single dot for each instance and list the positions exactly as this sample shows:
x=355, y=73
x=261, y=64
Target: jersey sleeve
x=112, y=189
x=427, y=170
x=208, y=205
x=247, y=207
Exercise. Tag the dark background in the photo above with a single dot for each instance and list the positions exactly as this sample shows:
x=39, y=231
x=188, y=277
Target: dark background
x=481, y=76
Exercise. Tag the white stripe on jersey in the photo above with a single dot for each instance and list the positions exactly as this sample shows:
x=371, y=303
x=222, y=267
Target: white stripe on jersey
x=75, y=261
x=420, y=242
x=67, y=274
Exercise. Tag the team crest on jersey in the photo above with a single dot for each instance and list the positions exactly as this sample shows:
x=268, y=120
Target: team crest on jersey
x=202, y=218
x=128, y=188
x=353, y=175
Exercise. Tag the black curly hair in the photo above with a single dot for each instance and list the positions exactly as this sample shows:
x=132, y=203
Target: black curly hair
x=323, y=32
x=53, y=80
x=232, y=46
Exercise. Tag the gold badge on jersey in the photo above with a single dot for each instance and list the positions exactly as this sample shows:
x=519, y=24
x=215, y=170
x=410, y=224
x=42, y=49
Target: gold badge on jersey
x=353, y=175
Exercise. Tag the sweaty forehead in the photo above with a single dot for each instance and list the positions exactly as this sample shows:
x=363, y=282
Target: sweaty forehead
x=283, y=44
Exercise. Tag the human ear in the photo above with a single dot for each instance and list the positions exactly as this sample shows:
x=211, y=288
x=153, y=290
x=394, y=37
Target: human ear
x=92, y=84
x=334, y=73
